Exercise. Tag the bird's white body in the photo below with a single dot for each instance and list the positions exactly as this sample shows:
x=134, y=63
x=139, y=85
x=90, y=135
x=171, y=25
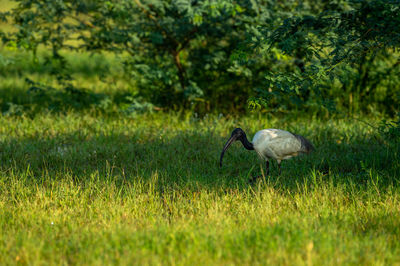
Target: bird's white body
x=276, y=144
x=271, y=143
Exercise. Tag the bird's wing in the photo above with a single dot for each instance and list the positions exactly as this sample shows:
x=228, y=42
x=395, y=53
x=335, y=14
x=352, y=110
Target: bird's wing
x=285, y=146
x=276, y=143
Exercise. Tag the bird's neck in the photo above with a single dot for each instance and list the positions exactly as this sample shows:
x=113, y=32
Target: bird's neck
x=247, y=144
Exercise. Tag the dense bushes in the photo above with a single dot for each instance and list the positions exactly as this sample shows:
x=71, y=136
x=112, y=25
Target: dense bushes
x=218, y=54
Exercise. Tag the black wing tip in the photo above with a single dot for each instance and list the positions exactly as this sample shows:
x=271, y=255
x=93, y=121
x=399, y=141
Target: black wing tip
x=305, y=143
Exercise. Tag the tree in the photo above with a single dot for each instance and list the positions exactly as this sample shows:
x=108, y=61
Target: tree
x=216, y=53
x=178, y=52
x=360, y=37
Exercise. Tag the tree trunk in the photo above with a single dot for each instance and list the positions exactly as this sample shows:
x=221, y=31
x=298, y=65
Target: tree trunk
x=181, y=69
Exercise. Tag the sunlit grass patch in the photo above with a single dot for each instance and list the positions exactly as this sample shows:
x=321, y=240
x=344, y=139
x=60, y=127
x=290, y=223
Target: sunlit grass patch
x=87, y=189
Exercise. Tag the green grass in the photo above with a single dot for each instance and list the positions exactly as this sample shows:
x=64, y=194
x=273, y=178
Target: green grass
x=89, y=189
x=99, y=76
x=83, y=187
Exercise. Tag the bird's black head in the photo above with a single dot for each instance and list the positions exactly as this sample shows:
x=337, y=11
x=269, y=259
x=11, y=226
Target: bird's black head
x=237, y=134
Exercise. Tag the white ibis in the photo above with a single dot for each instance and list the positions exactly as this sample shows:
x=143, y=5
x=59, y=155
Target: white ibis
x=271, y=144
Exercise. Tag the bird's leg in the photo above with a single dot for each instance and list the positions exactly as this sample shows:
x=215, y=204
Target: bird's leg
x=254, y=179
x=279, y=167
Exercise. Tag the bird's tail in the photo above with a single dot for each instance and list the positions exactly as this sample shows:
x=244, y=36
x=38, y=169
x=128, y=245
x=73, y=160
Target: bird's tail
x=306, y=145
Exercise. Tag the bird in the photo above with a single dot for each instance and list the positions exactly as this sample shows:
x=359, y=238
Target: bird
x=271, y=143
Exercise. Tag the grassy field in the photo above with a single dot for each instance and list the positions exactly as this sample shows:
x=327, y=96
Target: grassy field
x=92, y=189
x=83, y=186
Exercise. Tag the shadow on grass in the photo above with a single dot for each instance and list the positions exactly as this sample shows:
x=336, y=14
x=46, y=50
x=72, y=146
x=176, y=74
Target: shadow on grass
x=190, y=160
x=50, y=88
x=31, y=100
x=85, y=64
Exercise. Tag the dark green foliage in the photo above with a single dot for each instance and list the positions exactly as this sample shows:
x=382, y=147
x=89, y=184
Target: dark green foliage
x=391, y=129
x=338, y=55
x=179, y=51
x=69, y=97
x=348, y=47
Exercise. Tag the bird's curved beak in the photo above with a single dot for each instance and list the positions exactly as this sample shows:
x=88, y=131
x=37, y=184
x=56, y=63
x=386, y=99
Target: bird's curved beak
x=228, y=143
